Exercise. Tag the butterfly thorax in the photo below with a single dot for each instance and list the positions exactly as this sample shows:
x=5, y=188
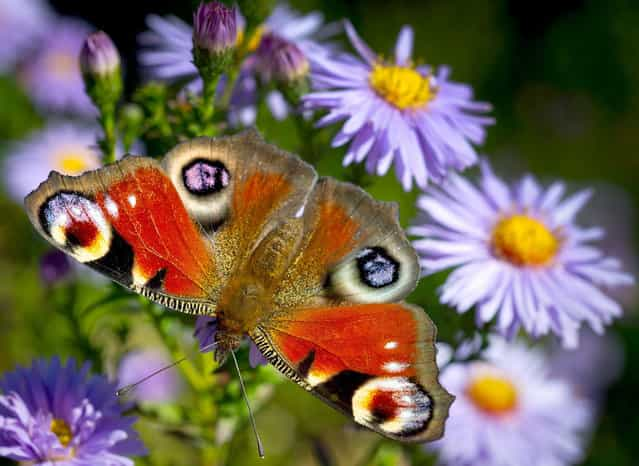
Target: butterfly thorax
x=239, y=311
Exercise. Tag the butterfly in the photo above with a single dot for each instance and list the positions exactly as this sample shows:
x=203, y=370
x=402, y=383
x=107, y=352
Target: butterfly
x=312, y=269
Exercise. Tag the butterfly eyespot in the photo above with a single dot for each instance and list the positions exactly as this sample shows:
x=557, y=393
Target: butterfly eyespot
x=376, y=268
x=374, y=274
x=202, y=180
x=77, y=224
x=204, y=177
x=394, y=405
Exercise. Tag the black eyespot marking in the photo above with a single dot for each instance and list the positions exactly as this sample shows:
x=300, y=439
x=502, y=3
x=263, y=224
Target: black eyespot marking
x=202, y=177
x=305, y=365
x=377, y=268
x=157, y=282
x=118, y=262
x=343, y=385
x=57, y=204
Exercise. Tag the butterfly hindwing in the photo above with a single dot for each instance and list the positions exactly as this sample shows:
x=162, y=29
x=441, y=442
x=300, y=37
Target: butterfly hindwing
x=339, y=327
x=127, y=221
x=374, y=362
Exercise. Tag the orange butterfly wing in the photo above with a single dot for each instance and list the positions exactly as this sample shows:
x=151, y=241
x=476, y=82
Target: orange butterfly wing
x=374, y=362
x=128, y=222
x=338, y=328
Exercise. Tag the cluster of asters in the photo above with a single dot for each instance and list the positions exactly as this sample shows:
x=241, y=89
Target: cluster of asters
x=517, y=257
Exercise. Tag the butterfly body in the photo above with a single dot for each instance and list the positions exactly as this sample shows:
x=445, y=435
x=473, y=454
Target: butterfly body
x=313, y=270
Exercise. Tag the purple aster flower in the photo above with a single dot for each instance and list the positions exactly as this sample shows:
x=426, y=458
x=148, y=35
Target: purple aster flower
x=55, y=266
x=55, y=414
x=205, y=329
x=167, y=55
x=518, y=256
x=163, y=387
x=397, y=113
x=508, y=411
x=53, y=77
x=64, y=147
x=21, y=26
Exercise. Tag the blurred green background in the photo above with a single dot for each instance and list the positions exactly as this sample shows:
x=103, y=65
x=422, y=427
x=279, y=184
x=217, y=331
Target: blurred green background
x=564, y=81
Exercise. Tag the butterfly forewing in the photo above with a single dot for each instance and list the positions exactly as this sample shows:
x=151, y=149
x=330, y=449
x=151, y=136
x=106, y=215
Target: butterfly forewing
x=128, y=222
x=239, y=188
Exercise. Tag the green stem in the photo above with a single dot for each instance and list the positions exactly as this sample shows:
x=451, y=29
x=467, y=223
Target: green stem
x=190, y=372
x=208, y=104
x=109, y=141
x=231, y=79
x=82, y=340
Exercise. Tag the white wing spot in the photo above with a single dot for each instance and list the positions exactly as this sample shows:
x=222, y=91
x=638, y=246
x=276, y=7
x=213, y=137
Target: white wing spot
x=391, y=345
x=112, y=207
x=132, y=200
x=395, y=366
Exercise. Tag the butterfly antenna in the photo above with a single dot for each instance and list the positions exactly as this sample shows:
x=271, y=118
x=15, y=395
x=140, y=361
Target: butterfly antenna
x=129, y=388
x=260, y=448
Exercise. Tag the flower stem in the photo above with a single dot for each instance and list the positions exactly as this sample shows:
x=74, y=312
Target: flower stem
x=109, y=142
x=229, y=85
x=207, y=109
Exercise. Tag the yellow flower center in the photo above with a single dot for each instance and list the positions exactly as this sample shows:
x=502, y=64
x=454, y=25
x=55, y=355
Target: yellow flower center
x=62, y=430
x=72, y=164
x=62, y=64
x=522, y=240
x=493, y=394
x=401, y=86
x=255, y=39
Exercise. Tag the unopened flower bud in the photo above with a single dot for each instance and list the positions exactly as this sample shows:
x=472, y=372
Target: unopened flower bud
x=214, y=38
x=99, y=57
x=100, y=65
x=280, y=60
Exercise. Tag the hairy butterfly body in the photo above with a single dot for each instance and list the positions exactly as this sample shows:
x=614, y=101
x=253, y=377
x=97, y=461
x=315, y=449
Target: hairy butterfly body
x=313, y=270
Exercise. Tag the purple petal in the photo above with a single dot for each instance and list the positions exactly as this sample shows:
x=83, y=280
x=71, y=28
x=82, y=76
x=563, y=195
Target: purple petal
x=404, y=46
x=364, y=51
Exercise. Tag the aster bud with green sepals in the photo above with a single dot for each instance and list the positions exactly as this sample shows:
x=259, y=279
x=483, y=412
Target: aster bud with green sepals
x=284, y=64
x=100, y=65
x=214, y=39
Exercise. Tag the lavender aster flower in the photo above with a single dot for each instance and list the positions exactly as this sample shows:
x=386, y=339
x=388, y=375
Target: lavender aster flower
x=52, y=414
x=163, y=387
x=64, y=147
x=53, y=77
x=205, y=329
x=21, y=26
x=508, y=411
x=518, y=256
x=397, y=113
